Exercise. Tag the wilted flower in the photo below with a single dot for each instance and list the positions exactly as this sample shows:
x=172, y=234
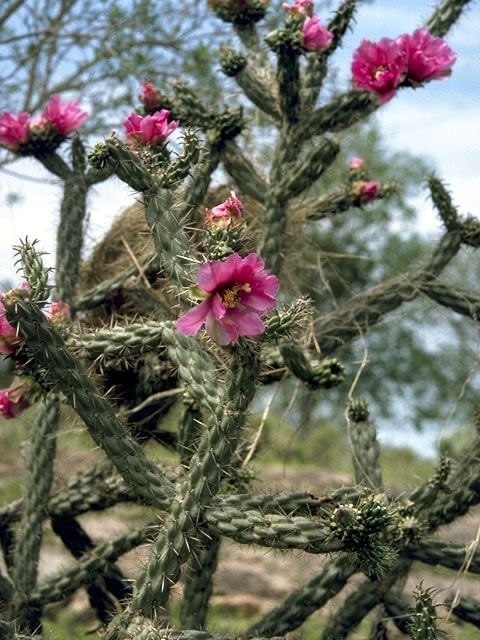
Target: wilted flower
x=14, y=130
x=15, y=400
x=238, y=292
x=356, y=163
x=429, y=58
x=58, y=312
x=300, y=7
x=153, y=129
x=365, y=191
x=223, y=213
x=150, y=96
x=380, y=67
x=8, y=334
x=315, y=36
x=65, y=117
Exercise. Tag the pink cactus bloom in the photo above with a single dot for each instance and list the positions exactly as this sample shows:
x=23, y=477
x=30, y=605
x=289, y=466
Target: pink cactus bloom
x=429, y=58
x=356, y=163
x=14, y=130
x=58, y=312
x=380, y=67
x=315, y=36
x=153, y=129
x=365, y=191
x=223, y=213
x=66, y=117
x=8, y=334
x=14, y=401
x=150, y=95
x=300, y=7
x=239, y=291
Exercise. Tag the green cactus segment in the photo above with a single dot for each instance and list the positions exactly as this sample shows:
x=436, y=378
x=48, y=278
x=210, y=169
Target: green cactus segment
x=6, y=589
x=462, y=302
x=199, y=584
x=323, y=374
x=178, y=169
x=436, y=552
x=443, y=203
x=340, y=202
x=33, y=270
x=63, y=373
x=197, y=189
x=423, y=625
x=312, y=166
x=288, y=80
x=55, y=164
x=445, y=16
x=317, y=66
x=92, y=564
x=70, y=229
x=288, y=322
x=302, y=603
x=366, y=450
x=239, y=167
x=468, y=610
x=207, y=468
x=30, y=532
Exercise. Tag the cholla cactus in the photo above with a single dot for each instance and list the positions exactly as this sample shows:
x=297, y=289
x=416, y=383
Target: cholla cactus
x=208, y=330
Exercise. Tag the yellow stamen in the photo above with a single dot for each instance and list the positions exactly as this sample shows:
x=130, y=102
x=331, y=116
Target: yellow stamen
x=231, y=296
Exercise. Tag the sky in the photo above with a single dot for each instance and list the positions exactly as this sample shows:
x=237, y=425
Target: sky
x=440, y=122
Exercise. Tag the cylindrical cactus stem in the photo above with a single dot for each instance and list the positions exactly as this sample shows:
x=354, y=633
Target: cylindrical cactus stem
x=189, y=432
x=70, y=229
x=197, y=189
x=437, y=552
x=444, y=252
x=62, y=372
x=199, y=584
x=239, y=167
x=460, y=301
x=55, y=164
x=207, y=467
x=288, y=79
x=444, y=204
x=340, y=201
x=34, y=270
x=468, y=610
x=366, y=450
x=444, y=16
x=30, y=531
x=317, y=65
x=327, y=373
x=305, y=601
x=6, y=589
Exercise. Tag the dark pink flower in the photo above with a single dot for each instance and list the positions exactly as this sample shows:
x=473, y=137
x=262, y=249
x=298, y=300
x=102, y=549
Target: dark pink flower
x=153, y=129
x=65, y=117
x=150, y=96
x=365, y=191
x=14, y=129
x=356, y=163
x=223, y=213
x=14, y=400
x=380, y=67
x=300, y=7
x=429, y=58
x=8, y=334
x=58, y=312
x=315, y=36
x=238, y=293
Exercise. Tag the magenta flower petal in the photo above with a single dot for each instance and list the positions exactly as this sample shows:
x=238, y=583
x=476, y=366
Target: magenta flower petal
x=14, y=130
x=429, y=58
x=190, y=322
x=8, y=334
x=65, y=117
x=315, y=36
x=153, y=130
x=248, y=323
x=218, y=331
x=380, y=67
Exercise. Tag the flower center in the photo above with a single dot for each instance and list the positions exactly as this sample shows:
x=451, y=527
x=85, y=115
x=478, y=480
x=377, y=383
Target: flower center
x=379, y=71
x=231, y=296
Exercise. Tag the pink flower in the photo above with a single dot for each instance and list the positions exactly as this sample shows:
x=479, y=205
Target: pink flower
x=239, y=291
x=315, y=36
x=8, y=334
x=150, y=96
x=356, y=163
x=14, y=400
x=301, y=7
x=365, y=191
x=64, y=116
x=429, y=58
x=223, y=213
x=153, y=129
x=380, y=67
x=58, y=312
x=14, y=130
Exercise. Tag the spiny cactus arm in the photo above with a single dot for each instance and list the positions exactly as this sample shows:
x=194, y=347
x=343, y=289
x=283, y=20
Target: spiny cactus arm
x=6, y=589
x=467, y=609
x=443, y=203
x=425, y=495
x=78, y=542
x=30, y=532
x=399, y=611
x=30, y=263
x=91, y=565
x=437, y=552
x=317, y=65
x=309, y=169
x=239, y=167
x=62, y=372
x=144, y=629
x=199, y=584
x=302, y=603
x=55, y=164
x=179, y=168
x=70, y=228
x=458, y=300
x=100, y=292
x=445, y=16
x=235, y=65
x=366, y=309
x=288, y=82
x=326, y=373
x=365, y=447
x=197, y=189
x=340, y=202
x=418, y=621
